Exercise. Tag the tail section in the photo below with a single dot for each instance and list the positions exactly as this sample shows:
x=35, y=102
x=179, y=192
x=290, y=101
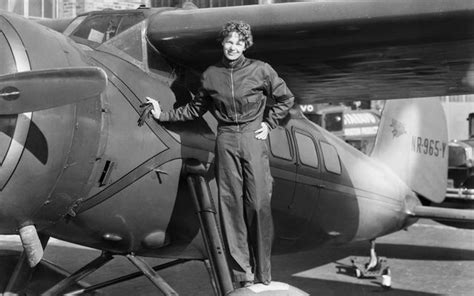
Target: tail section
x=413, y=141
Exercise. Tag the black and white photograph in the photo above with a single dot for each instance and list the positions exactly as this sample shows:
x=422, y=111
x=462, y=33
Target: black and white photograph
x=237, y=147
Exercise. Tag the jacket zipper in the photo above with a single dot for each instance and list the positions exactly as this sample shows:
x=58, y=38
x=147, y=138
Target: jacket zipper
x=233, y=97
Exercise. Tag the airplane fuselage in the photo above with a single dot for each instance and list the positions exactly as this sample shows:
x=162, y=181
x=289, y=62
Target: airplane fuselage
x=88, y=174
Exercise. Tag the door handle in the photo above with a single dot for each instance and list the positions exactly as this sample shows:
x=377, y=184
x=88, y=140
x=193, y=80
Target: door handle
x=320, y=186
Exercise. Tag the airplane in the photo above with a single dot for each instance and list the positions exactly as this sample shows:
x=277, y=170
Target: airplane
x=76, y=166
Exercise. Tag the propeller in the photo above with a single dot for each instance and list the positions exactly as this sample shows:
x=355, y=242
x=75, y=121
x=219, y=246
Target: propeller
x=43, y=89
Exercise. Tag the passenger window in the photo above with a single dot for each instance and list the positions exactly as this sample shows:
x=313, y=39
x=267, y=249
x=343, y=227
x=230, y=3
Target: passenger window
x=331, y=158
x=280, y=143
x=307, y=150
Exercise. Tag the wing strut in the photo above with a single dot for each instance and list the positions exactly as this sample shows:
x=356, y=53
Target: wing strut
x=154, y=277
x=68, y=282
x=211, y=234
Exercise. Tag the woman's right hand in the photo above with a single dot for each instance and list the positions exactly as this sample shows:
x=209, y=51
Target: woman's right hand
x=156, y=112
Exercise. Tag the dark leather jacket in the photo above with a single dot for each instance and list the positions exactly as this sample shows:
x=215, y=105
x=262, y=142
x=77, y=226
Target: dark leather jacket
x=236, y=93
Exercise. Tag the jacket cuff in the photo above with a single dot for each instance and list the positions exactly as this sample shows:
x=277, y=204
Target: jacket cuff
x=270, y=127
x=164, y=116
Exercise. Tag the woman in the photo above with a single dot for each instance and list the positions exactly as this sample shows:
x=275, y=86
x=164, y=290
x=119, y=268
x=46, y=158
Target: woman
x=235, y=91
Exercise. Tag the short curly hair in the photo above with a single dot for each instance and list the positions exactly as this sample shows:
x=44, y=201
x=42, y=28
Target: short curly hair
x=241, y=28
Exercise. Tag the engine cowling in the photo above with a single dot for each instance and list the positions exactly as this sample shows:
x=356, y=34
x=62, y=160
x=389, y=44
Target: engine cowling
x=42, y=153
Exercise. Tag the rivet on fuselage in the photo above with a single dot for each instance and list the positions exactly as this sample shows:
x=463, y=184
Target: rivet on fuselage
x=112, y=237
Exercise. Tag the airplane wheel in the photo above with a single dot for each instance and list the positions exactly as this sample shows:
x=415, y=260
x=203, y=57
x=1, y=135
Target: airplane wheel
x=387, y=279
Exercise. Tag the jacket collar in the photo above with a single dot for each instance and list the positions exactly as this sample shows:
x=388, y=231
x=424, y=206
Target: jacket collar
x=234, y=64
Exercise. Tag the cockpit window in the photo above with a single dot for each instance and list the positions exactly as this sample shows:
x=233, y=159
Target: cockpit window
x=73, y=25
x=99, y=28
x=130, y=42
x=128, y=21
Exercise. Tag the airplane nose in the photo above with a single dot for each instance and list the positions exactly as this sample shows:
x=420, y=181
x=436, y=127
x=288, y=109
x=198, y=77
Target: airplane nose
x=7, y=66
x=50, y=124
x=13, y=127
x=13, y=58
x=8, y=125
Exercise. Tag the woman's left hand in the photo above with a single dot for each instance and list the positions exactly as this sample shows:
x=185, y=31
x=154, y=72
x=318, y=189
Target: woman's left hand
x=262, y=133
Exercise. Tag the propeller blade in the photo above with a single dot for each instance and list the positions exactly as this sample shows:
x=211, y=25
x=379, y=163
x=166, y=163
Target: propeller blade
x=43, y=89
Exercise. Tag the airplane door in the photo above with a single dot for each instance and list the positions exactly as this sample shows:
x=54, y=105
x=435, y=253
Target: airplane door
x=306, y=192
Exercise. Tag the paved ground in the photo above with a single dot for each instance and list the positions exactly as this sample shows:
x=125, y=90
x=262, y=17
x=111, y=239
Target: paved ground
x=428, y=259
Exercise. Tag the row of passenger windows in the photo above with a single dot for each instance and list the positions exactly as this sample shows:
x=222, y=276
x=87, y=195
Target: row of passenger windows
x=280, y=146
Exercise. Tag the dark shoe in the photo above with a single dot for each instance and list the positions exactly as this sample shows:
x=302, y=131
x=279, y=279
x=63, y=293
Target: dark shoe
x=245, y=284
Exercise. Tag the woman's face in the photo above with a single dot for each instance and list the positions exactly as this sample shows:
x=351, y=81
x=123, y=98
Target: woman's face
x=233, y=46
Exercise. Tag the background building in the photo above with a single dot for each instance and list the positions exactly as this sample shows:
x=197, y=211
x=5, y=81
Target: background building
x=457, y=109
x=70, y=8
x=65, y=8
x=89, y=5
x=205, y=3
x=32, y=8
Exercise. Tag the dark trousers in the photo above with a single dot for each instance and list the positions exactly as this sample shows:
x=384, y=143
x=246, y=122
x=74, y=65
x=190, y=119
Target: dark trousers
x=245, y=189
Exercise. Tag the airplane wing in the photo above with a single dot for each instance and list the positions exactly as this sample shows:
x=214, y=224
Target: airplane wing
x=339, y=50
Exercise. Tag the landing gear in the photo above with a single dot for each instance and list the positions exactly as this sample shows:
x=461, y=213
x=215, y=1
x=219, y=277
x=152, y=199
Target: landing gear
x=377, y=267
